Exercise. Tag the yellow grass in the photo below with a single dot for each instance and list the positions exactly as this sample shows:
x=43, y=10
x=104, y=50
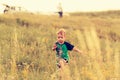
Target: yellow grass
x=26, y=42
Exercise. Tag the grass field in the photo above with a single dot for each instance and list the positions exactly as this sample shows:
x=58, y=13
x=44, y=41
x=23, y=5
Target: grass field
x=26, y=42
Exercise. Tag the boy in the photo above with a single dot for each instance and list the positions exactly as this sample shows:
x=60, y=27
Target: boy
x=62, y=47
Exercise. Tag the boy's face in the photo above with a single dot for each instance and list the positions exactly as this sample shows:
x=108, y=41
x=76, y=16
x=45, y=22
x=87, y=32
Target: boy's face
x=60, y=39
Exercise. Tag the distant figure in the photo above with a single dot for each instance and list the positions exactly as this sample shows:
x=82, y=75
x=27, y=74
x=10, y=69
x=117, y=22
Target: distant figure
x=10, y=9
x=60, y=10
x=6, y=8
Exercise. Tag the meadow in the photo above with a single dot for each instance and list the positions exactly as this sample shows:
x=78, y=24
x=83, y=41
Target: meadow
x=26, y=41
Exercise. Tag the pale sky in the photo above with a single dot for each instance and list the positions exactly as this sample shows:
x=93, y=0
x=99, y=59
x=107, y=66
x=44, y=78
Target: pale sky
x=67, y=5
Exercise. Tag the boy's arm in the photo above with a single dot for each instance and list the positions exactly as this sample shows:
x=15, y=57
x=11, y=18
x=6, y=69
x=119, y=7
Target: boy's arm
x=54, y=47
x=77, y=50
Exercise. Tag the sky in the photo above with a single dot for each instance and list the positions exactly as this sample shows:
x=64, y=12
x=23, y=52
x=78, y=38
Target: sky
x=67, y=5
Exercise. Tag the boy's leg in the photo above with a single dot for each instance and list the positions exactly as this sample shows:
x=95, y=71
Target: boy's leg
x=61, y=72
x=63, y=67
x=62, y=63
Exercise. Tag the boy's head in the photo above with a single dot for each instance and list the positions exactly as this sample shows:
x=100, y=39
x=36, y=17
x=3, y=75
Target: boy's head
x=61, y=36
x=61, y=32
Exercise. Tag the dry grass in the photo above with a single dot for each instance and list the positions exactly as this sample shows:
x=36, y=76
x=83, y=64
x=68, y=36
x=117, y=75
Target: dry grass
x=26, y=41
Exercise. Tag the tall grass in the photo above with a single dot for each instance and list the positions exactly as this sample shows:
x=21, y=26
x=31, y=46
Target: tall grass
x=26, y=41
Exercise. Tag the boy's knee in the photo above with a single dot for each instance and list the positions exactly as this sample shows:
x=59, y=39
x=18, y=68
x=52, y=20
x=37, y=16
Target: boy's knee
x=61, y=62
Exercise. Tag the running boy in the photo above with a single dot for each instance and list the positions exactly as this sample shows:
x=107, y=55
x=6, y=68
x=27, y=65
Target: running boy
x=62, y=47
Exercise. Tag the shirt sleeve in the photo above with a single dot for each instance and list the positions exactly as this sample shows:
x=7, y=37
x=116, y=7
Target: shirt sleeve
x=69, y=46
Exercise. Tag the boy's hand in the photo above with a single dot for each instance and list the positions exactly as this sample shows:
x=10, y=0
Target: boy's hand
x=54, y=47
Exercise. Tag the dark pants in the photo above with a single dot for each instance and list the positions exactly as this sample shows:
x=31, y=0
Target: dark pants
x=60, y=14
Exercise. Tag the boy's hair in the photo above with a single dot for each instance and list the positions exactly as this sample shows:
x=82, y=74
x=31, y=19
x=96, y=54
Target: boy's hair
x=61, y=32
